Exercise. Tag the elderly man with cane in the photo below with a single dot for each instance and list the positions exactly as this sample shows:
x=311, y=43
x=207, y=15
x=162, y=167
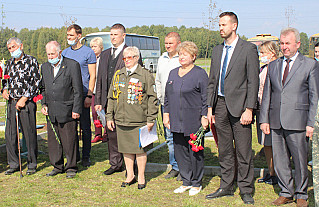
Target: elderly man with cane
x=18, y=89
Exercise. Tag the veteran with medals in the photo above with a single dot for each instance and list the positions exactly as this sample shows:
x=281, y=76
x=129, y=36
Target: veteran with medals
x=131, y=105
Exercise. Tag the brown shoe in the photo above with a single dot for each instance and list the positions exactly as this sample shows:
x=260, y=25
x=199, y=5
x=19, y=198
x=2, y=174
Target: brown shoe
x=282, y=200
x=302, y=203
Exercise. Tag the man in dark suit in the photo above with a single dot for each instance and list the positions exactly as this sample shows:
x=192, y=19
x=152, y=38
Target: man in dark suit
x=288, y=112
x=232, y=95
x=111, y=60
x=62, y=102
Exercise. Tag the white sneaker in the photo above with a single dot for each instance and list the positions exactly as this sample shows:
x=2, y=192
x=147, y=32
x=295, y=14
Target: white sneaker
x=193, y=191
x=182, y=189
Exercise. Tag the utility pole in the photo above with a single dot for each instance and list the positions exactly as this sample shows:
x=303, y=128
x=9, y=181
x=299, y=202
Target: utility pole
x=2, y=26
x=289, y=15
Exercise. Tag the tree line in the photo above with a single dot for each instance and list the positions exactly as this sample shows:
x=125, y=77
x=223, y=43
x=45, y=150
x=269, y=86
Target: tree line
x=34, y=41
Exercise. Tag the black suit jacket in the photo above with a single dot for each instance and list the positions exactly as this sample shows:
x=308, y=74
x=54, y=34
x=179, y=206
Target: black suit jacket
x=101, y=82
x=241, y=80
x=62, y=93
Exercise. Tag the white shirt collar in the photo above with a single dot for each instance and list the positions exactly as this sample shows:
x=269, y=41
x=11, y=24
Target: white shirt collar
x=293, y=58
x=233, y=44
x=132, y=69
x=118, y=49
x=165, y=54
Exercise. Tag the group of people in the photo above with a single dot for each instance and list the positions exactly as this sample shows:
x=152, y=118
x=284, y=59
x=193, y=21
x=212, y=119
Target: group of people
x=283, y=94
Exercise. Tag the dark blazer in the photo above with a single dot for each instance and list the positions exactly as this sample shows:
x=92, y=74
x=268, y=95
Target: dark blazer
x=241, y=80
x=101, y=82
x=185, y=100
x=293, y=105
x=62, y=93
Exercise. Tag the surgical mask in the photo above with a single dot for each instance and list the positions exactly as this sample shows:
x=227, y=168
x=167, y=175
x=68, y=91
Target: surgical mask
x=316, y=59
x=16, y=54
x=72, y=42
x=54, y=60
x=264, y=60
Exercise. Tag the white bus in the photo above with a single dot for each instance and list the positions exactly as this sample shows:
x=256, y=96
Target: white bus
x=149, y=46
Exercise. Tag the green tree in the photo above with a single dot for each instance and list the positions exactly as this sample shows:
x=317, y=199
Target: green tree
x=304, y=47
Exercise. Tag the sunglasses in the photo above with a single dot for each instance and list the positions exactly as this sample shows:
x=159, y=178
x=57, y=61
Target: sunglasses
x=128, y=58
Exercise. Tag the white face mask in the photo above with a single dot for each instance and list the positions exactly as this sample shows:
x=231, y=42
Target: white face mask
x=265, y=60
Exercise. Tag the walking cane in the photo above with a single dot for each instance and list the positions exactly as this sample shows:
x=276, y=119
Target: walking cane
x=19, y=150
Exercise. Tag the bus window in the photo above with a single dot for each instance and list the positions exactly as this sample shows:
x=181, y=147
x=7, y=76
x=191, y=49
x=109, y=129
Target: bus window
x=136, y=42
x=143, y=43
x=156, y=44
x=128, y=40
x=149, y=44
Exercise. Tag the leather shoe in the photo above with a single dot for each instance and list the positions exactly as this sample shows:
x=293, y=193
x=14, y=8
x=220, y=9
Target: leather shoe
x=31, y=171
x=282, y=200
x=265, y=178
x=302, y=203
x=273, y=180
x=110, y=171
x=10, y=171
x=220, y=193
x=124, y=184
x=141, y=186
x=247, y=198
x=53, y=173
x=70, y=174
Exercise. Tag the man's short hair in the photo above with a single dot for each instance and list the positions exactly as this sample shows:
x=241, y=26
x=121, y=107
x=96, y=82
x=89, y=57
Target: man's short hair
x=317, y=44
x=119, y=26
x=288, y=30
x=77, y=28
x=56, y=44
x=174, y=34
x=17, y=40
x=232, y=16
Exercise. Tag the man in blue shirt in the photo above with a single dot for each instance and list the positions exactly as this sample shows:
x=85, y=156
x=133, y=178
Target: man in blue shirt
x=87, y=60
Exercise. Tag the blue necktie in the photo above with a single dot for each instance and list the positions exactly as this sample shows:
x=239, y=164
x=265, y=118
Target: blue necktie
x=222, y=79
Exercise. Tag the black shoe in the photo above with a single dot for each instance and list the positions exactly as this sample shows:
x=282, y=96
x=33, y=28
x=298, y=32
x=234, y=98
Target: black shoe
x=179, y=177
x=52, y=173
x=124, y=184
x=10, y=171
x=141, y=186
x=220, y=193
x=70, y=174
x=172, y=174
x=110, y=171
x=264, y=179
x=86, y=162
x=247, y=198
x=273, y=180
x=31, y=171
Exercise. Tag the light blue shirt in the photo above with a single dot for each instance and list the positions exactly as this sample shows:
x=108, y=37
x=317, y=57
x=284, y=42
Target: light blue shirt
x=230, y=53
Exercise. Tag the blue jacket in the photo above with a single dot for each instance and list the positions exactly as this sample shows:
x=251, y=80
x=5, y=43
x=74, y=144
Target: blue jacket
x=185, y=100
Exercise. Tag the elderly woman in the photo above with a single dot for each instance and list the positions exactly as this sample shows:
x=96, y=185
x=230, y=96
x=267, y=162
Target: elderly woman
x=185, y=110
x=131, y=105
x=96, y=45
x=268, y=52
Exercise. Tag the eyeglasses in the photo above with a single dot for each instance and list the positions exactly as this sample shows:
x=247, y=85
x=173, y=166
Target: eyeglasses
x=129, y=58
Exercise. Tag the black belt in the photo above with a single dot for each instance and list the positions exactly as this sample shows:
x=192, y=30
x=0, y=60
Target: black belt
x=221, y=97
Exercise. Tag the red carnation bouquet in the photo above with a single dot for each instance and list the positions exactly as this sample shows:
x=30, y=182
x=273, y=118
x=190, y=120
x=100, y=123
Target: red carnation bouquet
x=98, y=124
x=37, y=98
x=196, y=139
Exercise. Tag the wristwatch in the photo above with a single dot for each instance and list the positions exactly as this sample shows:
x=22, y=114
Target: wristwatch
x=89, y=96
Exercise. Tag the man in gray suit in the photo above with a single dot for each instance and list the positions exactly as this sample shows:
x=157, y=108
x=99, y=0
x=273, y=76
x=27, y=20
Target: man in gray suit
x=288, y=112
x=232, y=95
x=62, y=102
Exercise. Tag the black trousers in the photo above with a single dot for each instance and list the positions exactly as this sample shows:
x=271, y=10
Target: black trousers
x=27, y=122
x=190, y=163
x=66, y=133
x=115, y=157
x=234, y=147
x=292, y=143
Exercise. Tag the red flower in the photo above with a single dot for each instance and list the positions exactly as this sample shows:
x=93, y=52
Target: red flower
x=6, y=77
x=200, y=147
x=37, y=98
x=98, y=124
x=190, y=142
x=195, y=149
x=193, y=136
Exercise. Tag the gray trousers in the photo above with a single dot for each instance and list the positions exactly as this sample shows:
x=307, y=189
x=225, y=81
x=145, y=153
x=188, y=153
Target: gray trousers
x=315, y=160
x=286, y=143
x=27, y=122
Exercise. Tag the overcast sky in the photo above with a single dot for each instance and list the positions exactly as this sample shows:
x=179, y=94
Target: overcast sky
x=255, y=16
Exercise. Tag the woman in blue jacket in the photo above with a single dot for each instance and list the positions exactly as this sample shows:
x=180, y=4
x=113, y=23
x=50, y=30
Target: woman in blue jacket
x=185, y=110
